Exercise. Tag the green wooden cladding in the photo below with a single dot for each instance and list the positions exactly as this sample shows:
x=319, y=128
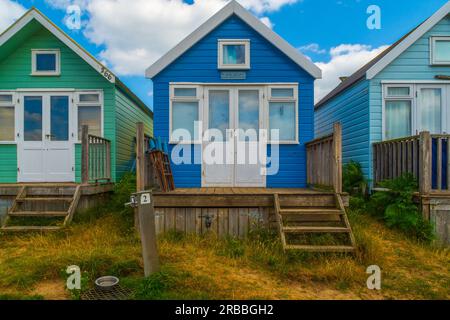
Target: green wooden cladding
x=120, y=112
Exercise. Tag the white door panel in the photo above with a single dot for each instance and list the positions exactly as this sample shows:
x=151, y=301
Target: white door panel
x=45, y=144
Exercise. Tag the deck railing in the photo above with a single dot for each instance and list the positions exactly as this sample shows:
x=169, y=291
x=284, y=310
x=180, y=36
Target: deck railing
x=324, y=160
x=426, y=156
x=96, y=158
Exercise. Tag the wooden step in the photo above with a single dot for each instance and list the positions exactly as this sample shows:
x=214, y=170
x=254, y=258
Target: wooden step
x=66, y=199
x=320, y=248
x=318, y=211
x=315, y=230
x=38, y=214
x=29, y=229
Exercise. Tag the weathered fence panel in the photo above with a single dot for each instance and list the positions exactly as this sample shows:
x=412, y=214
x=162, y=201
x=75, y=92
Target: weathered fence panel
x=234, y=222
x=95, y=158
x=426, y=156
x=324, y=160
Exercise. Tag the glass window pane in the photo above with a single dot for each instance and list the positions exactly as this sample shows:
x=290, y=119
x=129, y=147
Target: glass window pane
x=59, y=118
x=90, y=116
x=283, y=93
x=233, y=54
x=249, y=111
x=184, y=115
x=219, y=111
x=398, y=91
x=398, y=119
x=7, y=124
x=442, y=51
x=45, y=62
x=282, y=117
x=33, y=119
x=185, y=92
x=6, y=98
x=430, y=104
x=89, y=97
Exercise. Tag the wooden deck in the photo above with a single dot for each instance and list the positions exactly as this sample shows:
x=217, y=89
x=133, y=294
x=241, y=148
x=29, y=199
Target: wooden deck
x=234, y=197
x=13, y=189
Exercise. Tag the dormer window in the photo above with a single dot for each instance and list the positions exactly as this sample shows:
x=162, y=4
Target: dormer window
x=440, y=50
x=234, y=54
x=45, y=63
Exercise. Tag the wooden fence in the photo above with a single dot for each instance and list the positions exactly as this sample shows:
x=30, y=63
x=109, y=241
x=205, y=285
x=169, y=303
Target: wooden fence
x=425, y=156
x=324, y=160
x=96, y=158
x=234, y=222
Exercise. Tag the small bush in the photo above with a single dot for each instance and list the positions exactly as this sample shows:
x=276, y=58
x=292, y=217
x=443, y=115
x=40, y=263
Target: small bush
x=398, y=209
x=354, y=181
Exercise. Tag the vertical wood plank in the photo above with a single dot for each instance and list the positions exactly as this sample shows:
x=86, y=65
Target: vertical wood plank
x=159, y=221
x=233, y=220
x=243, y=222
x=180, y=220
x=337, y=157
x=222, y=222
x=198, y=221
x=169, y=219
x=214, y=224
x=439, y=163
x=190, y=220
x=254, y=218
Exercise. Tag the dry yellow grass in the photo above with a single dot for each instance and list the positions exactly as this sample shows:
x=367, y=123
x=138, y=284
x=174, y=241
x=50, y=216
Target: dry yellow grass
x=207, y=268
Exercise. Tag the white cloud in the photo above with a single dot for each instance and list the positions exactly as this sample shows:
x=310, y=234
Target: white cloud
x=345, y=60
x=137, y=33
x=10, y=11
x=312, y=47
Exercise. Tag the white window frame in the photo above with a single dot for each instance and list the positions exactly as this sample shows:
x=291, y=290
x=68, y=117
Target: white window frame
x=222, y=43
x=410, y=97
x=198, y=98
x=11, y=104
x=294, y=99
x=433, y=40
x=79, y=104
x=35, y=72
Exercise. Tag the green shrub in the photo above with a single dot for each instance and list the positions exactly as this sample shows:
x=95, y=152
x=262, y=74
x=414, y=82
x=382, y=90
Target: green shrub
x=398, y=209
x=354, y=181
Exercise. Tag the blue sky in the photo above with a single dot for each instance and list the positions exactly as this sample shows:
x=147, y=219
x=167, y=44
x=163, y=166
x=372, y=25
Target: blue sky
x=130, y=36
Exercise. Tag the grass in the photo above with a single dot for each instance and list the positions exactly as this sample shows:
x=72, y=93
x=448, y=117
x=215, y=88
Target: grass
x=33, y=266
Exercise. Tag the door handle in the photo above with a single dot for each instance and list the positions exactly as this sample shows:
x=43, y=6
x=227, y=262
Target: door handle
x=48, y=136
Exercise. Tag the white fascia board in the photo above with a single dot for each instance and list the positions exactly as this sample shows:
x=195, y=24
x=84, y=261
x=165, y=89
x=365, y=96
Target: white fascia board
x=234, y=8
x=408, y=41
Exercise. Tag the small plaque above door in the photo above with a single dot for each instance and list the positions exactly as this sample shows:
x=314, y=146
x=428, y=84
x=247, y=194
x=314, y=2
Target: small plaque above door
x=233, y=75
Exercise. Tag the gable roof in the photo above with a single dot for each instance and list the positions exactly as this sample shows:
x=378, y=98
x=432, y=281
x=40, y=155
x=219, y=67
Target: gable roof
x=234, y=8
x=35, y=14
x=376, y=65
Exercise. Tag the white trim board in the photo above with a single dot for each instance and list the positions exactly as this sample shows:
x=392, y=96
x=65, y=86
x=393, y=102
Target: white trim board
x=233, y=8
x=61, y=35
x=408, y=41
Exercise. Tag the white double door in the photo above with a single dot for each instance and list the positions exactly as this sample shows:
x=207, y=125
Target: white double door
x=233, y=155
x=45, y=137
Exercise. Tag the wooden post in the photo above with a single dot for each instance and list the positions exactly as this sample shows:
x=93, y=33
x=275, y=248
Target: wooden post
x=148, y=232
x=425, y=173
x=337, y=158
x=84, y=154
x=425, y=163
x=140, y=165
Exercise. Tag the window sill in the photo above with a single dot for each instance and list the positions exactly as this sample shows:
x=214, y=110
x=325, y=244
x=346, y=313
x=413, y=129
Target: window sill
x=231, y=68
x=8, y=143
x=45, y=74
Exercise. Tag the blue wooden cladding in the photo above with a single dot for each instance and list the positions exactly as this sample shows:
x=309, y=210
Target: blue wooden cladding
x=268, y=65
